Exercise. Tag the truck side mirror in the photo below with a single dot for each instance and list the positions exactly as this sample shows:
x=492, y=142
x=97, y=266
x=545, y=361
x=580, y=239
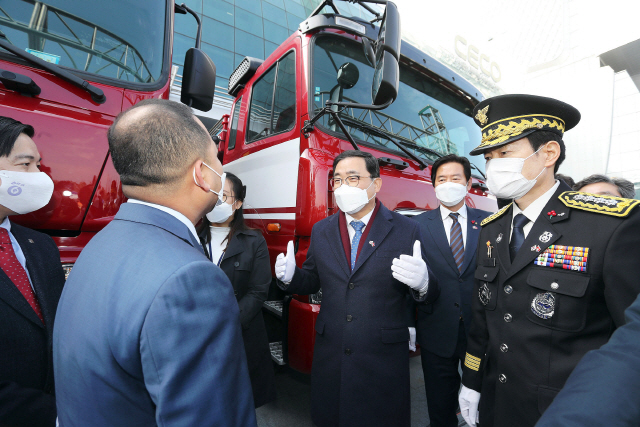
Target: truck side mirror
x=198, y=80
x=386, y=77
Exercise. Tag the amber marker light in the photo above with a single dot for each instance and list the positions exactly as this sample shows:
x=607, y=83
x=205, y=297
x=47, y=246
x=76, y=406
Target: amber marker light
x=274, y=226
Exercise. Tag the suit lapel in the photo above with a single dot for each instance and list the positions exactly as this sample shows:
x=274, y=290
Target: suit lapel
x=502, y=247
x=234, y=247
x=472, y=238
x=334, y=238
x=438, y=233
x=379, y=230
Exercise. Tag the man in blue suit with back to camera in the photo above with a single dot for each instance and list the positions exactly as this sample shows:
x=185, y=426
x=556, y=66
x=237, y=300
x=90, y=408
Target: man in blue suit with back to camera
x=451, y=233
x=366, y=259
x=147, y=330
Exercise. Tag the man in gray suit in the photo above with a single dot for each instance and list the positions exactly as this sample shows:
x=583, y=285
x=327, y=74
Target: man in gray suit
x=147, y=330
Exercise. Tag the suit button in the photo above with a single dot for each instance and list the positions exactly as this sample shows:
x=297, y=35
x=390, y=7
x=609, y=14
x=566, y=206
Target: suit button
x=456, y=304
x=347, y=351
x=460, y=280
x=351, y=286
x=236, y=264
x=504, y=348
x=235, y=293
x=508, y=289
x=555, y=285
x=508, y=317
x=502, y=378
x=349, y=318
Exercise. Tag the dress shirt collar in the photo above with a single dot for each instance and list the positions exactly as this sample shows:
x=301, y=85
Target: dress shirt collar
x=6, y=224
x=444, y=212
x=532, y=212
x=364, y=219
x=177, y=215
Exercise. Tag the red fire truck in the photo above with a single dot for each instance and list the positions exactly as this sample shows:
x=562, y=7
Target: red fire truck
x=68, y=68
x=338, y=83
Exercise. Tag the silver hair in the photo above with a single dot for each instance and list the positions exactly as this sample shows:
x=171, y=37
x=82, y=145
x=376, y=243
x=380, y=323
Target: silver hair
x=625, y=187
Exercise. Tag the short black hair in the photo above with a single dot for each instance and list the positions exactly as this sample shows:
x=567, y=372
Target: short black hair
x=10, y=130
x=625, y=188
x=538, y=138
x=451, y=158
x=157, y=147
x=372, y=163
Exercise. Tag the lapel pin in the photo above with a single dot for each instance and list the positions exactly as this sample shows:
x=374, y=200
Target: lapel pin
x=372, y=243
x=475, y=228
x=545, y=237
x=499, y=239
x=535, y=248
x=473, y=221
x=489, y=247
x=551, y=214
x=30, y=241
x=561, y=214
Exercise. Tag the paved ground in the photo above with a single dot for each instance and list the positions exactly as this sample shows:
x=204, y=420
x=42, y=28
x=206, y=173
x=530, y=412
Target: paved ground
x=292, y=408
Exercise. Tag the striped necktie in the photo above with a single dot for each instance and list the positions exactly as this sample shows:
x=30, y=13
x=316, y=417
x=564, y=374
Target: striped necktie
x=358, y=226
x=457, y=244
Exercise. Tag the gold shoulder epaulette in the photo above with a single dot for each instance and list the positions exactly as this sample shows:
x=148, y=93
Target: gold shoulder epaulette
x=498, y=214
x=608, y=205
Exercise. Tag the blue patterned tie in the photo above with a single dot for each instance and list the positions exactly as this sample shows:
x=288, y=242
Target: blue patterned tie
x=457, y=244
x=517, y=238
x=358, y=226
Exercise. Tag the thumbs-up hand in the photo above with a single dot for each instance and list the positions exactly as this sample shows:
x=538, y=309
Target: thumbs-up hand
x=412, y=270
x=286, y=264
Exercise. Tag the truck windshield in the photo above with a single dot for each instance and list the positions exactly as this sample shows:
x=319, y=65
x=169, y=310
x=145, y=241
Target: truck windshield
x=426, y=116
x=118, y=39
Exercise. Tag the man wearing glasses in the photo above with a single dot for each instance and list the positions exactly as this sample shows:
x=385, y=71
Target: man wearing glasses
x=367, y=260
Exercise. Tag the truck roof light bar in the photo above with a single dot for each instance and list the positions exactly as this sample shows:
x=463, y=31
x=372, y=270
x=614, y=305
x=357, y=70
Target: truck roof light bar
x=241, y=75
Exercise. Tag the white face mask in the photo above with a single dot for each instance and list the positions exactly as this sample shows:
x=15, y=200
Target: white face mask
x=221, y=213
x=505, y=179
x=450, y=193
x=352, y=199
x=25, y=192
x=223, y=177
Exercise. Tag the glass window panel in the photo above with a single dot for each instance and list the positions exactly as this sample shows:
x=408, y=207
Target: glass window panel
x=248, y=22
x=279, y=3
x=220, y=10
x=217, y=33
x=223, y=59
x=269, y=48
x=233, y=131
x=180, y=46
x=250, y=5
x=249, y=45
x=275, y=33
x=293, y=22
x=260, y=110
x=196, y=5
x=273, y=13
x=284, y=105
x=295, y=8
x=185, y=24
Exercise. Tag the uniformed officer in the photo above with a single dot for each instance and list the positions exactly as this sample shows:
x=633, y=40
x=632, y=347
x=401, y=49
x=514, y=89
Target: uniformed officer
x=556, y=268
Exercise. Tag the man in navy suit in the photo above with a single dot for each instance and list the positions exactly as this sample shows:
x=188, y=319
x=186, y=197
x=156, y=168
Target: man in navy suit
x=148, y=329
x=360, y=373
x=31, y=280
x=451, y=236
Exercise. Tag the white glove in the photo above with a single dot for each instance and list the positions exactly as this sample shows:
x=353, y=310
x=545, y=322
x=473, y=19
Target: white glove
x=468, y=400
x=286, y=265
x=412, y=339
x=412, y=270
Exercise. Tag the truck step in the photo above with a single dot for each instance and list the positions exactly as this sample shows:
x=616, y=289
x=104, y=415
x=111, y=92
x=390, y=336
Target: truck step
x=274, y=307
x=276, y=352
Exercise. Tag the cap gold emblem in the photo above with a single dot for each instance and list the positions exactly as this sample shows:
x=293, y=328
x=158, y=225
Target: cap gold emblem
x=482, y=115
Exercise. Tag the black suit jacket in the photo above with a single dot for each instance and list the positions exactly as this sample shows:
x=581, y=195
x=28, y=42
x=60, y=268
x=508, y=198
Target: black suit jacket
x=246, y=264
x=26, y=362
x=360, y=372
x=438, y=322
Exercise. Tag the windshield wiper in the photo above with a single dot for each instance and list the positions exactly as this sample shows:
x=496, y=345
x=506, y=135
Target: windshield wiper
x=373, y=129
x=97, y=95
x=476, y=168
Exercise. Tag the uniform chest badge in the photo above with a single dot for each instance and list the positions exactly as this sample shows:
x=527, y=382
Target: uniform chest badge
x=544, y=305
x=545, y=237
x=499, y=239
x=484, y=294
x=535, y=248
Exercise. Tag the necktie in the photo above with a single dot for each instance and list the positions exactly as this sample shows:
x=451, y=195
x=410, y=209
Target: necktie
x=16, y=273
x=358, y=226
x=517, y=237
x=456, y=242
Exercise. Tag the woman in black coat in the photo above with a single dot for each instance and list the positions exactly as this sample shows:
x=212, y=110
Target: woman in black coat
x=242, y=254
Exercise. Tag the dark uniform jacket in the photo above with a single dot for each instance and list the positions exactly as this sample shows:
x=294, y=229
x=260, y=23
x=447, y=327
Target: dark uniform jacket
x=246, y=264
x=438, y=322
x=360, y=372
x=533, y=323
x=26, y=360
